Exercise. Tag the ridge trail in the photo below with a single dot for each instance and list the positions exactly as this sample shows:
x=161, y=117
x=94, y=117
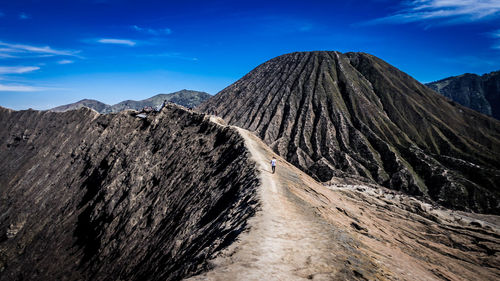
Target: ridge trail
x=287, y=239
x=304, y=230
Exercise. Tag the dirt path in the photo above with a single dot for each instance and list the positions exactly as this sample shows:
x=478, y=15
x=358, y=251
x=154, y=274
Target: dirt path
x=287, y=240
x=307, y=231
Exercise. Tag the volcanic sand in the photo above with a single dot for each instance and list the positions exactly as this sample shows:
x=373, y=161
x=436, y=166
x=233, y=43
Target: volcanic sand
x=307, y=231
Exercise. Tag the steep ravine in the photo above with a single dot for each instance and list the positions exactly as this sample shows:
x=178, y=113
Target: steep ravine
x=85, y=196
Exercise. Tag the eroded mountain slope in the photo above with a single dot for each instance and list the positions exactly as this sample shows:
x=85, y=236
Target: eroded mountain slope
x=353, y=115
x=85, y=196
x=308, y=231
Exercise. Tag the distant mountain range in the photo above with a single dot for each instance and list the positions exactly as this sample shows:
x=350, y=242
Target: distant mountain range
x=185, y=98
x=481, y=93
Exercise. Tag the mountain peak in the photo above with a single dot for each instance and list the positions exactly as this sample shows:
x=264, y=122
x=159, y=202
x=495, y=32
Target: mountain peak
x=354, y=115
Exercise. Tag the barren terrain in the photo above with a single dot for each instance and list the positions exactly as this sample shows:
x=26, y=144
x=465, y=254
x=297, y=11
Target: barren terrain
x=306, y=230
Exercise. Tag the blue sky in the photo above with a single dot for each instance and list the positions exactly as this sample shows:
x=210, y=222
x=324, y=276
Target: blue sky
x=57, y=52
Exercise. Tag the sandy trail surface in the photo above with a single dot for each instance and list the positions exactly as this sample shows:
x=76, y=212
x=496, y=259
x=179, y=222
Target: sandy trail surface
x=287, y=240
x=307, y=231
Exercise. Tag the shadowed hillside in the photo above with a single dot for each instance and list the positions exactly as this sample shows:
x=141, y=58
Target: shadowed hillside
x=481, y=93
x=85, y=196
x=353, y=115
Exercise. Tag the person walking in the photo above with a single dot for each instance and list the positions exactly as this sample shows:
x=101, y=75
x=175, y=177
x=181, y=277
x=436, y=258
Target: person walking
x=273, y=164
x=164, y=103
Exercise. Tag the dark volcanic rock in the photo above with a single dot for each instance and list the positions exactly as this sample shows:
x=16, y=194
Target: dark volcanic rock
x=185, y=98
x=354, y=115
x=85, y=196
x=481, y=93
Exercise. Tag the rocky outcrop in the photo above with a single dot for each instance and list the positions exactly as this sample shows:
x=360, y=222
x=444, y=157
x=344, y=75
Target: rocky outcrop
x=481, y=93
x=85, y=196
x=185, y=98
x=353, y=115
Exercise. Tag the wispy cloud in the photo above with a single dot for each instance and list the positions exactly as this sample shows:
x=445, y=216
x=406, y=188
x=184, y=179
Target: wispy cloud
x=172, y=55
x=6, y=56
x=19, y=88
x=305, y=27
x=24, y=16
x=276, y=24
x=65, y=62
x=8, y=49
x=471, y=61
x=495, y=35
x=444, y=11
x=152, y=31
x=17, y=69
x=116, y=41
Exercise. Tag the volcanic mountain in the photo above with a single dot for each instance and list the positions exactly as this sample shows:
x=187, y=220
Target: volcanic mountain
x=185, y=98
x=179, y=195
x=355, y=116
x=481, y=93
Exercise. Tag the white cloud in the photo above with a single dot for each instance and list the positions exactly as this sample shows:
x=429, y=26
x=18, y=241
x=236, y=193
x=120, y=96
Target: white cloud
x=24, y=16
x=172, y=55
x=117, y=41
x=6, y=56
x=8, y=50
x=17, y=69
x=19, y=88
x=447, y=11
x=152, y=31
x=65, y=62
x=23, y=49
